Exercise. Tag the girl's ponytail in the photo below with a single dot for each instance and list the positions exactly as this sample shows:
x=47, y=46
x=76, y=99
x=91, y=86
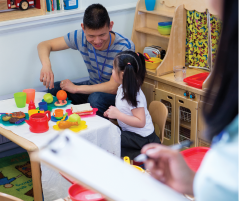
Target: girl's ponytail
x=130, y=85
x=142, y=70
x=133, y=67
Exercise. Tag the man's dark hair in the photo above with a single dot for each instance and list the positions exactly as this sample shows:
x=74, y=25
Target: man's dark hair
x=219, y=111
x=96, y=17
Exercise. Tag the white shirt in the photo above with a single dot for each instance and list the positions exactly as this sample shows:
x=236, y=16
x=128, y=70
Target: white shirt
x=124, y=107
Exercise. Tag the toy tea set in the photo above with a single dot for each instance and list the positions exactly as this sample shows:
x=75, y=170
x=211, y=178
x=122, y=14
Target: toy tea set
x=38, y=117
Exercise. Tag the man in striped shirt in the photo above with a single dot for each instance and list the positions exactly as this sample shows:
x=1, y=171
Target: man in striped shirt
x=98, y=46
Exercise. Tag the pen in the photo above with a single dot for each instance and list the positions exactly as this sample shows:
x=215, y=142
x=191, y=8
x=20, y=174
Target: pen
x=144, y=157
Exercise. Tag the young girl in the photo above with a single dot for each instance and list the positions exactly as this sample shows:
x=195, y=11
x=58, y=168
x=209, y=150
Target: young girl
x=131, y=105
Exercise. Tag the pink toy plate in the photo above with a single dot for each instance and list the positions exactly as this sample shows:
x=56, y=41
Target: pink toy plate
x=87, y=115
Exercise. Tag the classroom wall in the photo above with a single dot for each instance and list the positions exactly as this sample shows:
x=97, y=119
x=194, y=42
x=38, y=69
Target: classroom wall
x=19, y=62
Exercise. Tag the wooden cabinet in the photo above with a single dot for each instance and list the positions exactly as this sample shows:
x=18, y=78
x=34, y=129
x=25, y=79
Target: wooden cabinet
x=168, y=99
x=185, y=119
x=186, y=113
x=148, y=90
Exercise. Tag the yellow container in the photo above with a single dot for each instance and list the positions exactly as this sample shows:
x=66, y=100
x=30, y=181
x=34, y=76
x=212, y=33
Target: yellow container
x=34, y=111
x=154, y=65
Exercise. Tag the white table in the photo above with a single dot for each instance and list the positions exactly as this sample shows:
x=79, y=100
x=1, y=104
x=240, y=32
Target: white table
x=100, y=132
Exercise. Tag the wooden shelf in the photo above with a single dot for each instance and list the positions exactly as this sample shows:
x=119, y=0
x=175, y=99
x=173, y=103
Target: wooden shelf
x=185, y=124
x=151, y=32
x=157, y=12
x=151, y=72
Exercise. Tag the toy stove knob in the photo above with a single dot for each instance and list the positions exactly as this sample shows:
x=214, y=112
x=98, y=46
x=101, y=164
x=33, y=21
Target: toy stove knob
x=192, y=96
x=186, y=93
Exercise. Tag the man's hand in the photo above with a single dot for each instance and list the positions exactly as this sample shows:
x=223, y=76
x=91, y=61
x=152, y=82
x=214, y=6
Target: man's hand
x=47, y=76
x=44, y=48
x=112, y=113
x=68, y=86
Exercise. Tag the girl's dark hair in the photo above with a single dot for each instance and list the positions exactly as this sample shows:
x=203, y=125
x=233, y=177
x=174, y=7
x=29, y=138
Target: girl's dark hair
x=95, y=17
x=133, y=66
x=221, y=109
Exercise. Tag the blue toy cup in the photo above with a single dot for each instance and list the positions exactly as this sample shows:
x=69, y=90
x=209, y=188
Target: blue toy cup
x=150, y=5
x=43, y=106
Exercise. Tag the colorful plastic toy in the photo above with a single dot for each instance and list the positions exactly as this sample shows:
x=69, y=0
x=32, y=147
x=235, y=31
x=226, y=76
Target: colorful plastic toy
x=7, y=120
x=18, y=115
x=31, y=105
x=76, y=129
x=39, y=122
x=61, y=96
x=66, y=124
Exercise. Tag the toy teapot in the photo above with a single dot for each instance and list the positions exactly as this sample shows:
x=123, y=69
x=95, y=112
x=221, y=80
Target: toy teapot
x=39, y=123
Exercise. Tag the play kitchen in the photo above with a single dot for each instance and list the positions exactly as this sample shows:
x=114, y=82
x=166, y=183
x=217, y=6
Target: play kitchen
x=168, y=78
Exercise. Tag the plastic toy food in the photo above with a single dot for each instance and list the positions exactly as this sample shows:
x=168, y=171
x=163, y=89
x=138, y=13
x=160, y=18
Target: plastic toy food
x=48, y=98
x=6, y=117
x=13, y=120
x=66, y=124
x=82, y=109
x=60, y=103
x=75, y=118
x=61, y=95
x=19, y=115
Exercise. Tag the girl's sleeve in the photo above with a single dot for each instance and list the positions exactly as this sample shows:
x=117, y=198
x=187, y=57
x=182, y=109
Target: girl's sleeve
x=140, y=102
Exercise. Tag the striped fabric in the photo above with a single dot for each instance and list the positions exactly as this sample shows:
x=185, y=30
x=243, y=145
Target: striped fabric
x=76, y=40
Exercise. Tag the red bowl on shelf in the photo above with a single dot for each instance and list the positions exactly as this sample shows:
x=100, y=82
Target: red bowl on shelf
x=196, y=80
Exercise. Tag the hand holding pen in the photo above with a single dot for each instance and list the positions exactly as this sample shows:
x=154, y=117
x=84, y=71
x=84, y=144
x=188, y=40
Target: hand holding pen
x=167, y=165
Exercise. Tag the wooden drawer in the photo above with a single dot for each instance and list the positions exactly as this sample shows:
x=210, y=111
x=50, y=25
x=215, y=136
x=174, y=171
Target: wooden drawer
x=176, y=91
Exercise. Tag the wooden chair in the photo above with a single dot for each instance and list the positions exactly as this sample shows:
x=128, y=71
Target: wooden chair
x=159, y=114
x=6, y=197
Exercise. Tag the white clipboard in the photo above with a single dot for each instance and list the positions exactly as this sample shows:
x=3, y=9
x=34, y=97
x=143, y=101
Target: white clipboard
x=102, y=172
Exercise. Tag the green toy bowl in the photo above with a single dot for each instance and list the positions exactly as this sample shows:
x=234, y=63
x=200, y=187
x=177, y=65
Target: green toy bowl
x=58, y=117
x=164, y=30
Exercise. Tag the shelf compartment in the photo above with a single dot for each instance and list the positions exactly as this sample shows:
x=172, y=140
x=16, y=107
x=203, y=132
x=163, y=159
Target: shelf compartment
x=157, y=12
x=151, y=32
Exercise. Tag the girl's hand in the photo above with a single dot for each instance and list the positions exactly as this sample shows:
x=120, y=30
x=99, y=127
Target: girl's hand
x=112, y=112
x=169, y=167
x=105, y=114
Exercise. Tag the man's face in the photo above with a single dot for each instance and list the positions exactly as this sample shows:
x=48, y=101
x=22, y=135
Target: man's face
x=98, y=38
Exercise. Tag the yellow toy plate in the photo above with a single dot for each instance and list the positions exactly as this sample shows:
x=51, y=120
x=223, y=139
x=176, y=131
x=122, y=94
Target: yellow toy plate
x=76, y=129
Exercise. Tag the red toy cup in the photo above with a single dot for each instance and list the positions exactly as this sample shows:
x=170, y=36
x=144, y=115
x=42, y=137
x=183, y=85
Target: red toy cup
x=30, y=95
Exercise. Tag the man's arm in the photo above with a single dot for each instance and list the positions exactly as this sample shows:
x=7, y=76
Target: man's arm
x=44, y=48
x=107, y=87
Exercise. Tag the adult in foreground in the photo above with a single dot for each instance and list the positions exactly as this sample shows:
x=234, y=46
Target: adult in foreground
x=217, y=177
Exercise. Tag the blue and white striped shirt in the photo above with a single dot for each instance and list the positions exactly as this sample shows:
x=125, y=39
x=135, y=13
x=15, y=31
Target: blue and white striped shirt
x=76, y=40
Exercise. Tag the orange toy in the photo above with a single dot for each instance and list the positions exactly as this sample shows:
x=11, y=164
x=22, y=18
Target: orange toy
x=18, y=115
x=61, y=95
x=66, y=124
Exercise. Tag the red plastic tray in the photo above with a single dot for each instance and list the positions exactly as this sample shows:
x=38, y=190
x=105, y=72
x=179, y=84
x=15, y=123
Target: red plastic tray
x=196, y=80
x=194, y=156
